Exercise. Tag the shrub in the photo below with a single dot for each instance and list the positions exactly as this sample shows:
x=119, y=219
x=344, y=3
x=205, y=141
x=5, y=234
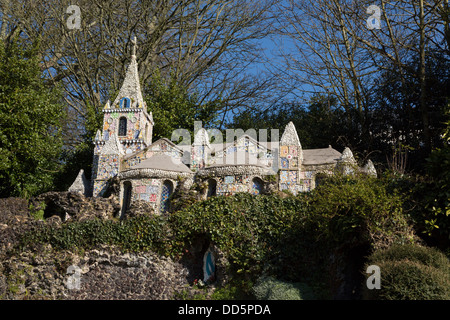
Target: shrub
x=411, y=272
x=358, y=210
x=269, y=288
x=237, y=289
x=431, y=198
x=423, y=255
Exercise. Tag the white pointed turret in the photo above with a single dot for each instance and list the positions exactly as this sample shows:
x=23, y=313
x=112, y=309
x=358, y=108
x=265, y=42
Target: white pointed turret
x=81, y=184
x=369, y=169
x=113, y=146
x=201, y=138
x=347, y=156
x=290, y=138
x=347, y=162
x=131, y=87
x=98, y=136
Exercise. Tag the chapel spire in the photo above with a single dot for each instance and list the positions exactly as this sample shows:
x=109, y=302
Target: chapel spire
x=130, y=94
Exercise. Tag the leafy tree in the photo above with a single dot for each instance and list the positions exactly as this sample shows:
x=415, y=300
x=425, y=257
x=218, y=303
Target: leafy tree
x=430, y=196
x=174, y=108
x=318, y=123
x=396, y=117
x=81, y=156
x=30, y=117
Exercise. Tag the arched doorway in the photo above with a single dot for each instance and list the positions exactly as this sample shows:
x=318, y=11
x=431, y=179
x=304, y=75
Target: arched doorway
x=126, y=199
x=212, y=188
x=166, y=191
x=257, y=186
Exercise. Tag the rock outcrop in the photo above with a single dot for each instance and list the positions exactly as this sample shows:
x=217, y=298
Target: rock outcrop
x=74, y=205
x=105, y=273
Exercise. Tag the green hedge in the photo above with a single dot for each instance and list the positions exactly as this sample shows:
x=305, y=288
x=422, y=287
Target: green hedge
x=411, y=272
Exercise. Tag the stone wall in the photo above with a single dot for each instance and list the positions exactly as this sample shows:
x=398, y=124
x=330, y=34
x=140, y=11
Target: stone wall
x=106, y=272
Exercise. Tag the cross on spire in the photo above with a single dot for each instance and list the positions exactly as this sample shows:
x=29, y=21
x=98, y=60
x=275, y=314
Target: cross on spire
x=134, y=42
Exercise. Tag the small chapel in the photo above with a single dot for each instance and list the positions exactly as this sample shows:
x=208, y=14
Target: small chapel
x=150, y=170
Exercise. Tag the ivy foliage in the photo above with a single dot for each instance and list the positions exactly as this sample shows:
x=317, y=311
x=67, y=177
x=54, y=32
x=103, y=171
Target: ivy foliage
x=249, y=229
x=141, y=233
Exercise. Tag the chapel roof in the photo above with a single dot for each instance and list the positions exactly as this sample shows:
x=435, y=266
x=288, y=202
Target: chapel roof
x=320, y=156
x=162, y=162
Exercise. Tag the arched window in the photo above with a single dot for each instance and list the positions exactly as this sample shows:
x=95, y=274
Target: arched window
x=122, y=126
x=166, y=191
x=212, y=188
x=125, y=102
x=257, y=186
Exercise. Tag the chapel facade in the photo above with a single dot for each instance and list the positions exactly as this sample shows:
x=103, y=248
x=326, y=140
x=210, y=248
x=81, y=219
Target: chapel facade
x=150, y=171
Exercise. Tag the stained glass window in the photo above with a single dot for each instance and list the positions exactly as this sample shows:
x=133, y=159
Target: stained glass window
x=257, y=186
x=122, y=126
x=125, y=102
x=166, y=191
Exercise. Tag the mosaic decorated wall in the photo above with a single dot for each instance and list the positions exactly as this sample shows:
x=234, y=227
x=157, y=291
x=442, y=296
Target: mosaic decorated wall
x=296, y=181
x=134, y=160
x=133, y=132
x=108, y=166
x=111, y=124
x=146, y=190
x=289, y=158
x=198, y=157
x=164, y=147
x=229, y=185
x=150, y=190
x=104, y=167
x=99, y=187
